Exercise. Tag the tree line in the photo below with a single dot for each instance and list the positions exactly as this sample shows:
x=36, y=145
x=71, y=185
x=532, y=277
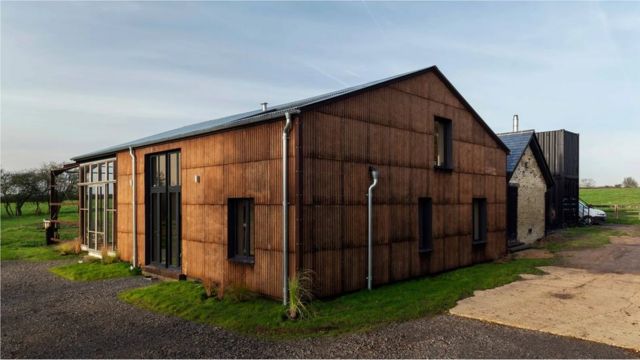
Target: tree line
x=32, y=185
x=627, y=182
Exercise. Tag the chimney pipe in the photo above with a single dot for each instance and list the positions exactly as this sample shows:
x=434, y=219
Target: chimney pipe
x=516, y=123
x=264, y=106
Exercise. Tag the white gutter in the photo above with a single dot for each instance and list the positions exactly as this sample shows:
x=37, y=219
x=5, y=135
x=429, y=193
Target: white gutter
x=374, y=175
x=134, y=262
x=285, y=206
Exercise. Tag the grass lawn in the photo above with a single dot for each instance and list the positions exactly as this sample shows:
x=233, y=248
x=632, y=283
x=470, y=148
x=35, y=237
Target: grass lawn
x=359, y=311
x=94, y=270
x=23, y=238
x=580, y=238
x=604, y=198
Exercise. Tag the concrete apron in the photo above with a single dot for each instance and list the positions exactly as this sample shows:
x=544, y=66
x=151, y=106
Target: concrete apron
x=601, y=307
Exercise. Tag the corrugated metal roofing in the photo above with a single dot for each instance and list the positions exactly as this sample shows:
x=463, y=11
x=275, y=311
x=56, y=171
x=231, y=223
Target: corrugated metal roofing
x=272, y=113
x=517, y=143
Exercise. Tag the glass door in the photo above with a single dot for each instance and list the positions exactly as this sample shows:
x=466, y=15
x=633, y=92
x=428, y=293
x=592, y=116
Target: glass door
x=163, y=209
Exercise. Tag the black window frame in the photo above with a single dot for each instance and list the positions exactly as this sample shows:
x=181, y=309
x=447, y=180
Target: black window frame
x=480, y=238
x=425, y=225
x=248, y=256
x=448, y=143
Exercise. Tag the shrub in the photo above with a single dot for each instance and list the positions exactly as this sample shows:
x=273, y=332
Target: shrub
x=108, y=258
x=71, y=247
x=300, y=294
x=210, y=288
x=238, y=293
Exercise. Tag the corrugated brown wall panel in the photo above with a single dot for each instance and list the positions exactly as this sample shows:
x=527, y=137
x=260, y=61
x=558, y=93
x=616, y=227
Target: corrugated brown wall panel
x=465, y=184
x=420, y=146
x=400, y=114
x=465, y=250
x=328, y=272
x=215, y=224
x=464, y=220
x=355, y=225
x=451, y=222
x=400, y=147
x=437, y=256
x=354, y=265
x=378, y=145
x=478, y=186
x=382, y=225
x=355, y=138
x=213, y=185
x=419, y=183
x=401, y=264
x=380, y=264
x=356, y=179
x=327, y=227
x=400, y=185
x=451, y=252
x=327, y=184
x=419, y=113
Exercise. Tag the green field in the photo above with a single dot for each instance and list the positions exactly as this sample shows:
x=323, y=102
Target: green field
x=627, y=199
x=23, y=237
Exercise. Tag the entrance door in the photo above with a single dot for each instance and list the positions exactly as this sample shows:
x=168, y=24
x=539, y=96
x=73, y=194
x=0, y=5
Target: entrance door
x=163, y=209
x=512, y=214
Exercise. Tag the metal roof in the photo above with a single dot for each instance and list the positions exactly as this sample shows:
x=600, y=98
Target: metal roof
x=273, y=112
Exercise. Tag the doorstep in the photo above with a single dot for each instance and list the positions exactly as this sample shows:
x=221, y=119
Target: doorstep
x=164, y=273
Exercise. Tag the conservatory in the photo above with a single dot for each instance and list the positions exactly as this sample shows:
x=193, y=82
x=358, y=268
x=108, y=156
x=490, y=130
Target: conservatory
x=97, y=193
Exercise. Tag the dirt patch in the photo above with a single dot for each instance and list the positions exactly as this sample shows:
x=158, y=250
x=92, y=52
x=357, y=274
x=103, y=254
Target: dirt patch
x=533, y=254
x=564, y=296
x=625, y=240
x=602, y=307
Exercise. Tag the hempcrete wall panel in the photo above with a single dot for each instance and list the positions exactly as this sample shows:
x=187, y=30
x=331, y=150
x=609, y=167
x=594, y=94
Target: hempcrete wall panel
x=391, y=128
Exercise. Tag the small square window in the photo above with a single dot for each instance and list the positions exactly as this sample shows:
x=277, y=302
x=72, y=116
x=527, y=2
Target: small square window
x=442, y=144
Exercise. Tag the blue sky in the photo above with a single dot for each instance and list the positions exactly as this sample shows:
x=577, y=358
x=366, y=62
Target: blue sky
x=79, y=76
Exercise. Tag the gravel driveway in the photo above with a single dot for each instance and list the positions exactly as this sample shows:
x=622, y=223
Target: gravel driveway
x=43, y=315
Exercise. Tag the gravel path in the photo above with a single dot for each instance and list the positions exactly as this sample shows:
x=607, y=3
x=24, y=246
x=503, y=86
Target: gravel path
x=44, y=316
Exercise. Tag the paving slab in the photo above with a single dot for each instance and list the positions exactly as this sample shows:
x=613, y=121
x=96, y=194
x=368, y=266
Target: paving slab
x=596, y=306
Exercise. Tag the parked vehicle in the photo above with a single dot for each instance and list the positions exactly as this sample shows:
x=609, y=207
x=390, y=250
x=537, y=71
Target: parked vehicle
x=590, y=215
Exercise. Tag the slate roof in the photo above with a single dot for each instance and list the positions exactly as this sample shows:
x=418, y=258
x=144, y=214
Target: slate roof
x=517, y=142
x=273, y=112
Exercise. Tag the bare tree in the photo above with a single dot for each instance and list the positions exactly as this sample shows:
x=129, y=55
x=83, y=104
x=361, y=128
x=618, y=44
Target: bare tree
x=587, y=183
x=629, y=182
x=6, y=189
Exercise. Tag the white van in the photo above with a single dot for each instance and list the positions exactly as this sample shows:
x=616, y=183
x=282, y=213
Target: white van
x=589, y=215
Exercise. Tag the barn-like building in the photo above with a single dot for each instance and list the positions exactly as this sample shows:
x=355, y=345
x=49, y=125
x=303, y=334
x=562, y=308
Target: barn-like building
x=207, y=200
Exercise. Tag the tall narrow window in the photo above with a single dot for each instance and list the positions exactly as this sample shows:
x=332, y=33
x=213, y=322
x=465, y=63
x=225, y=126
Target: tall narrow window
x=425, y=223
x=97, y=187
x=442, y=143
x=479, y=221
x=240, y=224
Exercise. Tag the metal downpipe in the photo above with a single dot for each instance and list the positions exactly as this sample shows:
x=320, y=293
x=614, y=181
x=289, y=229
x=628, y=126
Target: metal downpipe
x=134, y=256
x=285, y=206
x=374, y=176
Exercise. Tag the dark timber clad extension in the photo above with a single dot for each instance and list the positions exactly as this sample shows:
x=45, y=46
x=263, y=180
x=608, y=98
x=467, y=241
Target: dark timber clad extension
x=561, y=150
x=388, y=124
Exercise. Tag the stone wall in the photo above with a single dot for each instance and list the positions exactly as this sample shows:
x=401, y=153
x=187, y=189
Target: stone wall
x=531, y=193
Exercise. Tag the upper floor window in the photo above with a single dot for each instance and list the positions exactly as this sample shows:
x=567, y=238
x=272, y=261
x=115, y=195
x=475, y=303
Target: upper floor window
x=442, y=143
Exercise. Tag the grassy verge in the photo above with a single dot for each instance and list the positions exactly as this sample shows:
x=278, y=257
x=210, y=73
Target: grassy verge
x=23, y=237
x=577, y=238
x=349, y=313
x=94, y=270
